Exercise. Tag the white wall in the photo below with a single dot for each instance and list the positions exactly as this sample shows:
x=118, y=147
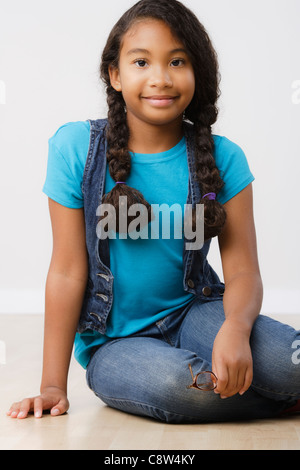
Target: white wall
x=49, y=57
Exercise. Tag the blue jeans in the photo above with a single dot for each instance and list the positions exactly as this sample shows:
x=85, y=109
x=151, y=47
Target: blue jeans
x=147, y=373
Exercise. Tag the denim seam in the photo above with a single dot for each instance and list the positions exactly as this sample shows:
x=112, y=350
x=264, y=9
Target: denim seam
x=265, y=389
x=164, y=332
x=88, y=158
x=125, y=400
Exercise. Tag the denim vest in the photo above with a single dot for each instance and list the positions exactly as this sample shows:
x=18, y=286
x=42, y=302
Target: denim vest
x=198, y=276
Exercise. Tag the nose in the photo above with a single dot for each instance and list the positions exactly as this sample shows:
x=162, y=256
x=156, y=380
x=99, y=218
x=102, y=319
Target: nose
x=160, y=78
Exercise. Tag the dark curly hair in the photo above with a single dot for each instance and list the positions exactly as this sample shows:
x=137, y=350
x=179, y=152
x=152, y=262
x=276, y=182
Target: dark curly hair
x=202, y=112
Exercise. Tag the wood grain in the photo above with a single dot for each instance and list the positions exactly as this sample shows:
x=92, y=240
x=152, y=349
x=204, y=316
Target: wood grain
x=90, y=425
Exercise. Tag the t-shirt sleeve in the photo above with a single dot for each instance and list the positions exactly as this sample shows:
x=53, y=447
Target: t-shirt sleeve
x=234, y=168
x=67, y=152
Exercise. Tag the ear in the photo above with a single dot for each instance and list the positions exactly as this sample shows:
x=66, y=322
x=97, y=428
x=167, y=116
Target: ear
x=114, y=76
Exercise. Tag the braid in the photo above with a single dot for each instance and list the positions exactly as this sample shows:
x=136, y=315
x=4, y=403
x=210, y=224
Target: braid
x=118, y=156
x=119, y=159
x=209, y=177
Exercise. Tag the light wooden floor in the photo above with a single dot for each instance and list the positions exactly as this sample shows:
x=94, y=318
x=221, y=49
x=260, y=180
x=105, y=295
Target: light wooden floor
x=90, y=425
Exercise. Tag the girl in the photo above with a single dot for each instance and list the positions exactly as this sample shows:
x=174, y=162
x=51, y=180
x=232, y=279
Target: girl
x=150, y=317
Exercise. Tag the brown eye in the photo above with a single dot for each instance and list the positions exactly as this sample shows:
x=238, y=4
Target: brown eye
x=177, y=62
x=141, y=63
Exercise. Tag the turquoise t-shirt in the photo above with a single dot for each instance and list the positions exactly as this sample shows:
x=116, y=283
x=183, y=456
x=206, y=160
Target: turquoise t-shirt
x=152, y=262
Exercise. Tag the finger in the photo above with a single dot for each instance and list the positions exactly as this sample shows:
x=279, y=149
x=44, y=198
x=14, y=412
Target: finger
x=24, y=408
x=236, y=380
x=61, y=407
x=38, y=407
x=14, y=410
x=247, y=381
x=236, y=383
x=240, y=381
x=222, y=375
x=231, y=386
x=11, y=409
x=214, y=369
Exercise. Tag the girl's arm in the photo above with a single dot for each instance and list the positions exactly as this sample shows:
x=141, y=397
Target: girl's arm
x=65, y=288
x=232, y=360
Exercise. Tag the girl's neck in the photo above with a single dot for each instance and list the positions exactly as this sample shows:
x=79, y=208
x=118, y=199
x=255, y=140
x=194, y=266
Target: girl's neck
x=149, y=138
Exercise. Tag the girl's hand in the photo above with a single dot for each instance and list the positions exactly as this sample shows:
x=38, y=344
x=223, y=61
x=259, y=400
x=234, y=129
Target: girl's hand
x=52, y=398
x=232, y=360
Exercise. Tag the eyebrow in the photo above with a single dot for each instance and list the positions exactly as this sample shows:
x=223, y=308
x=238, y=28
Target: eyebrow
x=145, y=51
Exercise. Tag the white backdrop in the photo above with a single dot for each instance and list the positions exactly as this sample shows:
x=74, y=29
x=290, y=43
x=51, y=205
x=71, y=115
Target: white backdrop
x=49, y=57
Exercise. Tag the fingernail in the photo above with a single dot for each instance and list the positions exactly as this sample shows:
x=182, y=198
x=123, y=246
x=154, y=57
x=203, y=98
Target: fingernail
x=37, y=414
x=55, y=411
x=242, y=393
x=223, y=396
x=21, y=414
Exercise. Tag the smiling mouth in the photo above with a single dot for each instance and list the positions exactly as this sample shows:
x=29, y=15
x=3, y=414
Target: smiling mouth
x=160, y=100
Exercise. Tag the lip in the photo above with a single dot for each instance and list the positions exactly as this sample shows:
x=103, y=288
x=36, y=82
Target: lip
x=160, y=100
x=160, y=97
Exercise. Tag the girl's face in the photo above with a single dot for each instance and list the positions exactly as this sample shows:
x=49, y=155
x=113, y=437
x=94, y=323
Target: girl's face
x=155, y=74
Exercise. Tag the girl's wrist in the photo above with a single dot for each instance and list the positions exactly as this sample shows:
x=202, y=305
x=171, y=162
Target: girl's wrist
x=240, y=325
x=54, y=384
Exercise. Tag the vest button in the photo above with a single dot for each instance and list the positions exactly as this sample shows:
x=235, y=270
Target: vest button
x=191, y=283
x=103, y=296
x=104, y=276
x=206, y=291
